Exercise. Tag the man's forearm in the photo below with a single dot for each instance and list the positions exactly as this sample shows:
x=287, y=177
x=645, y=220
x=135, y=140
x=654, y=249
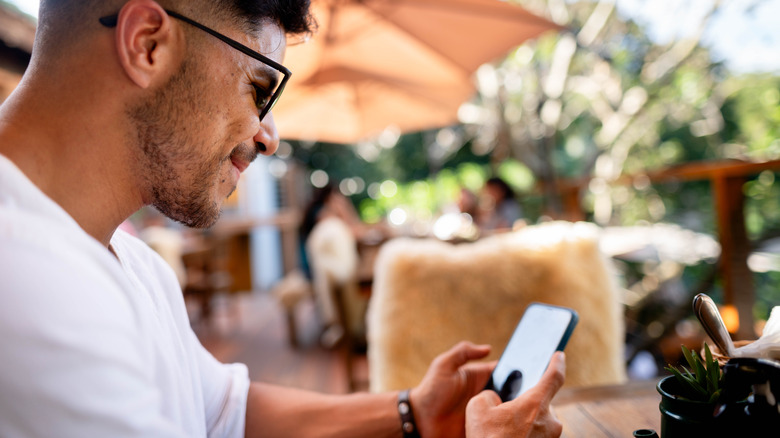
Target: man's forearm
x=274, y=411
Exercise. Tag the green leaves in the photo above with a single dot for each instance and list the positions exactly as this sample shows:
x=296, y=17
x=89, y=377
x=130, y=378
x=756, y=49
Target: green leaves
x=703, y=381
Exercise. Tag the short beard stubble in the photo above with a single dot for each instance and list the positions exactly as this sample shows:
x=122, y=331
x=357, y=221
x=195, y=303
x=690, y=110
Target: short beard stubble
x=178, y=179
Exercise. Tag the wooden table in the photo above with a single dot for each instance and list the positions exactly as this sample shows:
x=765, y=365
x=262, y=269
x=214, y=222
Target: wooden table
x=608, y=411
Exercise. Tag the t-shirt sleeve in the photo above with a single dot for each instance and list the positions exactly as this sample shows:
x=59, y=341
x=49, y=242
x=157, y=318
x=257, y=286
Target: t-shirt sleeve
x=225, y=390
x=225, y=386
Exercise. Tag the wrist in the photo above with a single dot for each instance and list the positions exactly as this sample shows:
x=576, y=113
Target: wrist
x=406, y=413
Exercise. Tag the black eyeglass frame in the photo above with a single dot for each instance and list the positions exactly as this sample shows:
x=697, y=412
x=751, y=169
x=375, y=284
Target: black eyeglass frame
x=111, y=21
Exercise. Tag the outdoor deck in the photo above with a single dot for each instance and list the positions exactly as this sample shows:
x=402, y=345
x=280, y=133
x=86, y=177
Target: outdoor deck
x=250, y=328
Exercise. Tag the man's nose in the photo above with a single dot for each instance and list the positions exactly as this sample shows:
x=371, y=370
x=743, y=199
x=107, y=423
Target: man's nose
x=267, y=138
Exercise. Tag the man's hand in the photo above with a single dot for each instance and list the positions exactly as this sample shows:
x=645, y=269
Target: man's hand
x=439, y=402
x=527, y=416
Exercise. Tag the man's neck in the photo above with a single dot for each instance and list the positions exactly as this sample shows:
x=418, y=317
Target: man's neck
x=88, y=176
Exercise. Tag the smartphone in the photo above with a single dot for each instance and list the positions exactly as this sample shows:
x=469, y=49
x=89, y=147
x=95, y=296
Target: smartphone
x=543, y=330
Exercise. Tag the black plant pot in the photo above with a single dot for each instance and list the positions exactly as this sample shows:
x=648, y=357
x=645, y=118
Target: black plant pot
x=682, y=417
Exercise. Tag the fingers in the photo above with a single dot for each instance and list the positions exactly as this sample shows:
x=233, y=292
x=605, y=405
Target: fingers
x=481, y=404
x=528, y=415
x=480, y=414
x=477, y=375
x=460, y=354
x=553, y=378
x=524, y=416
x=484, y=400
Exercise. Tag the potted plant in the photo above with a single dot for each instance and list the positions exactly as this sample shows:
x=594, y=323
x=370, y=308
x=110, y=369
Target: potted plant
x=690, y=396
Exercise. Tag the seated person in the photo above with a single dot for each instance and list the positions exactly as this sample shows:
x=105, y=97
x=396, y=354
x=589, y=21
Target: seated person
x=329, y=235
x=326, y=202
x=498, y=206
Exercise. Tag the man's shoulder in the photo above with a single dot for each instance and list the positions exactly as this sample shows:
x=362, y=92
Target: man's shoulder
x=36, y=250
x=30, y=231
x=48, y=275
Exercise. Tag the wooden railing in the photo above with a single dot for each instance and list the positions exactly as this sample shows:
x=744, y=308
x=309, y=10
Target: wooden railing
x=727, y=178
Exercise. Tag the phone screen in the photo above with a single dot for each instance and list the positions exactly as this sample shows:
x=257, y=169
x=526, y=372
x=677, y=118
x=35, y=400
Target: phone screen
x=542, y=330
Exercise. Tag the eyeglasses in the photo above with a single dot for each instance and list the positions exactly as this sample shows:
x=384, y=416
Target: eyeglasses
x=266, y=97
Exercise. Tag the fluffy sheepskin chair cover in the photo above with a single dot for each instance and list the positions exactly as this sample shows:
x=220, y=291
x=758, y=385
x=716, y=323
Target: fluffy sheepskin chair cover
x=428, y=295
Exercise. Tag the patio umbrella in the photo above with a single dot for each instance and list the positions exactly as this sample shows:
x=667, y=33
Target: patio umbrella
x=407, y=63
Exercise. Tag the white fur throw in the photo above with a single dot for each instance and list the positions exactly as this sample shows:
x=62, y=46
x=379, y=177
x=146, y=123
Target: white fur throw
x=428, y=295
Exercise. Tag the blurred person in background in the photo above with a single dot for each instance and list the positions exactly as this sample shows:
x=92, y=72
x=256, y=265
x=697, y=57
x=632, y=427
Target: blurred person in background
x=456, y=222
x=498, y=206
x=128, y=103
x=329, y=234
x=328, y=202
x=467, y=202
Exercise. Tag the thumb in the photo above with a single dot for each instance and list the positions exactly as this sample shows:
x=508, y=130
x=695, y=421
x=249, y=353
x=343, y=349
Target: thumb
x=552, y=379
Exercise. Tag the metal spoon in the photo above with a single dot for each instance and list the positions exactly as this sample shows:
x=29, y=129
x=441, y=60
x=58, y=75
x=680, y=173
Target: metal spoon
x=709, y=316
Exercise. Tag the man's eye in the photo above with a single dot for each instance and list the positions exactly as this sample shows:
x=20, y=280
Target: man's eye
x=262, y=95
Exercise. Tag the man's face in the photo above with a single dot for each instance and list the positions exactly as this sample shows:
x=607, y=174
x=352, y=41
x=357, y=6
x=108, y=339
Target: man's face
x=197, y=133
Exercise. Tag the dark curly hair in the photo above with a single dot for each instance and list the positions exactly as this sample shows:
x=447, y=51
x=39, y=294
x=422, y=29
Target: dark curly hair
x=294, y=16
x=506, y=190
x=66, y=18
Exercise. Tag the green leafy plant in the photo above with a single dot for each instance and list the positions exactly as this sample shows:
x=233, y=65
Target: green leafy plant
x=703, y=381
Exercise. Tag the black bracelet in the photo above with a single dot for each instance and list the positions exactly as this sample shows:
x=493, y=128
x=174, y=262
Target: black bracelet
x=408, y=426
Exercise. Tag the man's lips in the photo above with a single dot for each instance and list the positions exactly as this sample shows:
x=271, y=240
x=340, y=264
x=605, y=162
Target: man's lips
x=242, y=156
x=240, y=164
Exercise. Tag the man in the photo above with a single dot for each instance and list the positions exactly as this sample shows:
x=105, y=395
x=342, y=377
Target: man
x=129, y=103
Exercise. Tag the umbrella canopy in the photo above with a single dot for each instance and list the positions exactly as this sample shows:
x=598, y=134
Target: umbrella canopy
x=408, y=63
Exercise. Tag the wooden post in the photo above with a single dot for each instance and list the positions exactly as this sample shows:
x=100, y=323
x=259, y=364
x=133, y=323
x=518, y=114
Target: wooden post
x=570, y=200
x=738, y=286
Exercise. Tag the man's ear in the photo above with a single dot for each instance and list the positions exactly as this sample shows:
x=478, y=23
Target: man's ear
x=144, y=41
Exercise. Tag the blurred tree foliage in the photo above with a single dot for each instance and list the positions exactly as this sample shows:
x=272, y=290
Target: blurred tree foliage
x=587, y=105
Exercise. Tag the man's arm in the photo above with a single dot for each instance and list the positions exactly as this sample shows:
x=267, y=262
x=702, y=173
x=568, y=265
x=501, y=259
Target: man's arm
x=274, y=411
x=438, y=403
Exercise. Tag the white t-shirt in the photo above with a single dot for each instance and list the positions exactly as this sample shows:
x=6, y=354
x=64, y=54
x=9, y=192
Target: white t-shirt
x=92, y=346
